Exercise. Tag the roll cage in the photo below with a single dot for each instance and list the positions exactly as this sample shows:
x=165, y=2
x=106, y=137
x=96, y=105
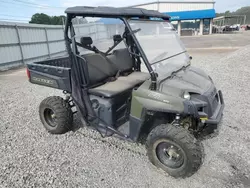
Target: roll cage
x=124, y=14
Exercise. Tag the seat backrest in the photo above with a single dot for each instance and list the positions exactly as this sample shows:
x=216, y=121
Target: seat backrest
x=122, y=59
x=86, y=41
x=99, y=69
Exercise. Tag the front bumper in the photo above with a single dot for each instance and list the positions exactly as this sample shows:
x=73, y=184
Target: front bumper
x=192, y=108
x=217, y=116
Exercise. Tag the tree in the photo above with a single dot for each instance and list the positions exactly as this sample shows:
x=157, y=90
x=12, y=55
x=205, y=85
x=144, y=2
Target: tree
x=57, y=20
x=41, y=18
x=227, y=13
x=242, y=11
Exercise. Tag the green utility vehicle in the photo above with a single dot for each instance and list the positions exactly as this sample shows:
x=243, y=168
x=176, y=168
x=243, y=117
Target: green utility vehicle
x=129, y=79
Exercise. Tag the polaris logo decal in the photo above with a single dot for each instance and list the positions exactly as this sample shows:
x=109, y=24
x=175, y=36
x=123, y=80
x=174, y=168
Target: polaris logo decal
x=42, y=80
x=154, y=95
x=157, y=96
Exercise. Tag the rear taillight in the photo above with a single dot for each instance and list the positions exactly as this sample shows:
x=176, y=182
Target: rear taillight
x=28, y=73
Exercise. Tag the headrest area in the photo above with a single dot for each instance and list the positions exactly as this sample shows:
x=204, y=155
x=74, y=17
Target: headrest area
x=86, y=41
x=117, y=38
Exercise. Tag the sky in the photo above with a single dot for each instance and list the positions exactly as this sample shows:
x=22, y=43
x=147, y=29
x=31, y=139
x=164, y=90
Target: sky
x=22, y=10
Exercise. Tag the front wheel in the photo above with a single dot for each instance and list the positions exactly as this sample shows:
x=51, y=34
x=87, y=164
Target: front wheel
x=174, y=150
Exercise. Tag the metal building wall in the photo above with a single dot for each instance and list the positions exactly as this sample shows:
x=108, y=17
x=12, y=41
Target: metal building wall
x=152, y=6
x=25, y=43
x=170, y=6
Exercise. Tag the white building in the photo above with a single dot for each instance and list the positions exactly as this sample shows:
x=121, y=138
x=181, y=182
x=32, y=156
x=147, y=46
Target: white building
x=181, y=10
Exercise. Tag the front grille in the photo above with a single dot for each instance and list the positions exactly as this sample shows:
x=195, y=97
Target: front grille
x=211, y=97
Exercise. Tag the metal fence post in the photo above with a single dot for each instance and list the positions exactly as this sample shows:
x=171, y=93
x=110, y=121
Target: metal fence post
x=79, y=30
x=47, y=41
x=89, y=29
x=19, y=43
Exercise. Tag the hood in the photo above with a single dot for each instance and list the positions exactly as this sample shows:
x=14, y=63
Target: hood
x=192, y=80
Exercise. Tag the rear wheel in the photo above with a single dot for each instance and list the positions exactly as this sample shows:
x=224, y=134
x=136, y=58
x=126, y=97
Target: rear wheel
x=56, y=115
x=174, y=150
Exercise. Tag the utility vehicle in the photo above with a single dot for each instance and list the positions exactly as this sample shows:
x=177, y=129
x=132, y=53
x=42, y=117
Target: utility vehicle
x=141, y=83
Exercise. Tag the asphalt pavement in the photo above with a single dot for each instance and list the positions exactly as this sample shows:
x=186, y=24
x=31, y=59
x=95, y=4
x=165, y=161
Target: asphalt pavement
x=217, y=41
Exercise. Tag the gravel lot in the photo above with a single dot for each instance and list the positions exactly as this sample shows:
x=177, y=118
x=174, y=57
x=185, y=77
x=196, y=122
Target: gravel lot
x=30, y=157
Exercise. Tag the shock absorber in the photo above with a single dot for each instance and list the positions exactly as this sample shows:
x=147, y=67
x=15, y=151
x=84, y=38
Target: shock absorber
x=69, y=100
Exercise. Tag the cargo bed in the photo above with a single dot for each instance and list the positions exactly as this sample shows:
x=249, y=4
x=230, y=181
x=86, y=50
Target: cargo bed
x=53, y=73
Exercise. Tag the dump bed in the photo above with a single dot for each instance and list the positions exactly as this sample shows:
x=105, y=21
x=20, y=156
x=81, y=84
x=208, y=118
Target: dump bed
x=53, y=73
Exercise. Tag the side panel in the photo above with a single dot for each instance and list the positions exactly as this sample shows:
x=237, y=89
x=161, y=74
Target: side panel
x=113, y=111
x=44, y=79
x=50, y=76
x=134, y=127
x=136, y=106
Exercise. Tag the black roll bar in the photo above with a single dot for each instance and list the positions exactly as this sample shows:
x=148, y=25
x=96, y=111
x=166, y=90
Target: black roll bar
x=143, y=55
x=66, y=37
x=82, y=81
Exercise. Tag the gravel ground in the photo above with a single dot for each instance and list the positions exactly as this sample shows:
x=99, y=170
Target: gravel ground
x=30, y=157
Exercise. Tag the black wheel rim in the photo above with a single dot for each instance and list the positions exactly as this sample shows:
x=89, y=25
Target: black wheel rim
x=170, y=154
x=50, y=117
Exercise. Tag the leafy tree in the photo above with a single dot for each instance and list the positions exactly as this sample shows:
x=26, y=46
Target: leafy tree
x=41, y=18
x=227, y=13
x=242, y=11
x=57, y=20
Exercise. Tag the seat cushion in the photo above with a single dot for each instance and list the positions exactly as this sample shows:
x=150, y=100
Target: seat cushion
x=111, y=89
x=121, y=85
x=135, y=78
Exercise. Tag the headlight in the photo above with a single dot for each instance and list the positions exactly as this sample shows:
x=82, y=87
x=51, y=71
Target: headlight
x=186, y=95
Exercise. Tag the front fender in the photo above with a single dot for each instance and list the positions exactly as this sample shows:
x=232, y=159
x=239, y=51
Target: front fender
x=164, y=104
x=155, y=101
